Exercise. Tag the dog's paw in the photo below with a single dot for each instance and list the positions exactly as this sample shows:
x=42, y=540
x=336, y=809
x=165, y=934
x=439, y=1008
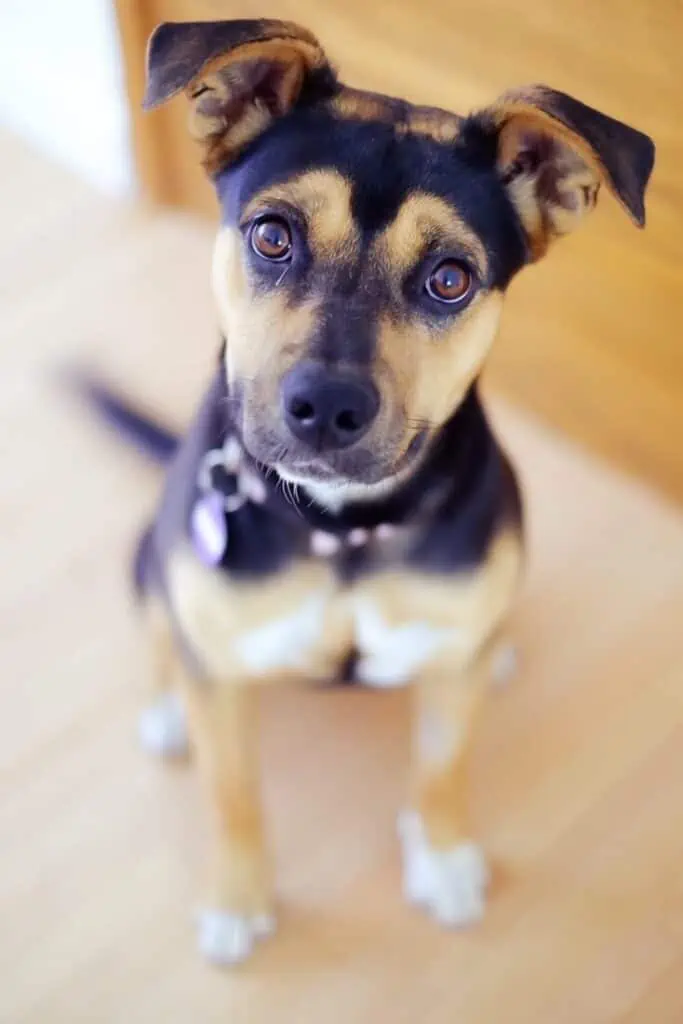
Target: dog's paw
x=449, y=884
x=162, y=727
x=226, y=938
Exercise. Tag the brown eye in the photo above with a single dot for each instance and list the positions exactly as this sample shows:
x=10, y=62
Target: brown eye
x=271, y=239
x=451, y=281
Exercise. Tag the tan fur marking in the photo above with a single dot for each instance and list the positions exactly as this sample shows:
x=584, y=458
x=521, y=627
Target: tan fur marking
x=355, y=104
x=223, y=727
x=421, y=217
x=224, y=116
x=450, y=684
x=219, y=615
x=222, y=722
x=446, y=704
x=450, y=688
x=579, y=171
x=519, y=112
x=324, y=198
x=524, y=197
x=439, y=125
x=220, y=149
x=264, y=332
x=431, y=370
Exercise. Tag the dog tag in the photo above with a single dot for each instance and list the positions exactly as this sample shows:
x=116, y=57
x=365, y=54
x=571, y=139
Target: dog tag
x=209, y=528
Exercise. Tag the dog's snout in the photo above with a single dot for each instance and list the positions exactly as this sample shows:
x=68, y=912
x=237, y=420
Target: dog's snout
x=328, y=409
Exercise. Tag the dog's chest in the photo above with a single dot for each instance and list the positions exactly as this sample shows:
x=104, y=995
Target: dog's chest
x=318, y=637
x=304, y=623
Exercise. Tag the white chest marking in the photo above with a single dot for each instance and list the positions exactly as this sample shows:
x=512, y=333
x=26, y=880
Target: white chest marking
x=285, y=642
x=391, y=655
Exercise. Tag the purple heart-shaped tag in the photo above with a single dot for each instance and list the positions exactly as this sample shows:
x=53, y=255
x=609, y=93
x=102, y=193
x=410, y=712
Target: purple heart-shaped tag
x=209, y=528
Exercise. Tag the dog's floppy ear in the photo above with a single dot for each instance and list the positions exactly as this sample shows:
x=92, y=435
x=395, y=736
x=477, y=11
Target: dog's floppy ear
x=553, y=153
x=238, y=75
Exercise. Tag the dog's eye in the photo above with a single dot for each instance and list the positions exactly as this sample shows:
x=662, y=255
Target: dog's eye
x=271, y=239
x=451, y=281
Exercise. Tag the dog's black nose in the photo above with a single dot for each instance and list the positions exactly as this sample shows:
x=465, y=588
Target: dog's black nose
x=328, y=408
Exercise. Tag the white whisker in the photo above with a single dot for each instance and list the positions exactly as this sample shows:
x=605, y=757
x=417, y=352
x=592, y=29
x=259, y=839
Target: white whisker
x=283, y=275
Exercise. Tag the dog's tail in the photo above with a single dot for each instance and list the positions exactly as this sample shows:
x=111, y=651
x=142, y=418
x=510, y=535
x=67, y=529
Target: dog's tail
x=155, y=440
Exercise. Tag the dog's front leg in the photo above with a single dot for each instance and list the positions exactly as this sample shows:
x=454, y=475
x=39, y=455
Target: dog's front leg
x=444, y=870
x=223, y=721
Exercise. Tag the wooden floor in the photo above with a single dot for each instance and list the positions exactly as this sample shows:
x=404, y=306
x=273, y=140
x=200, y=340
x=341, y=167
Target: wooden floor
x=577, y=773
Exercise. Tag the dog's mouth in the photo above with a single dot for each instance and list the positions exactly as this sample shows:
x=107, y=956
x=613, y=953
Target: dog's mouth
x=308, y=472
x=352, y=471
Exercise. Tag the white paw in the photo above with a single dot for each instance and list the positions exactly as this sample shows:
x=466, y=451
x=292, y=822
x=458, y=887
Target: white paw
x=162, y=727
x=226, y=938
x=450, y=884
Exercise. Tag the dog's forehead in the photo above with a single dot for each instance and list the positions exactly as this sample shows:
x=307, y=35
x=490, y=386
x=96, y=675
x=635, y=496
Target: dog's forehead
x=384, y=149
x=431, y=122
x=361, y=164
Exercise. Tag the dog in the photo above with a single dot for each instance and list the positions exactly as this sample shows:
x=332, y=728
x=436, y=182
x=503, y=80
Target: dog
x=340, y=505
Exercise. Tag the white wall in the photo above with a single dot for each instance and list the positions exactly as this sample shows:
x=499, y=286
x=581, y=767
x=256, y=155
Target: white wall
x=61, y=86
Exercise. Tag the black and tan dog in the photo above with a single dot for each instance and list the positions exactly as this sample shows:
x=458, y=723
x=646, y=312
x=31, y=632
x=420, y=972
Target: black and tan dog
x=340, y=503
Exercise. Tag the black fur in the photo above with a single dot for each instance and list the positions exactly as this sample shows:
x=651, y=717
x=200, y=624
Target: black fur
x=384, y=168
x=463, y=493
x=151, y=438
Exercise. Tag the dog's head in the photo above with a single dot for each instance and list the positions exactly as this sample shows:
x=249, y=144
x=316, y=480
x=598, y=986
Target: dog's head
x=366, y=243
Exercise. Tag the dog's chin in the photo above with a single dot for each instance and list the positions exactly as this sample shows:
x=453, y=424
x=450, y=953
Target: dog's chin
x=333, y=491
x=363, y=477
